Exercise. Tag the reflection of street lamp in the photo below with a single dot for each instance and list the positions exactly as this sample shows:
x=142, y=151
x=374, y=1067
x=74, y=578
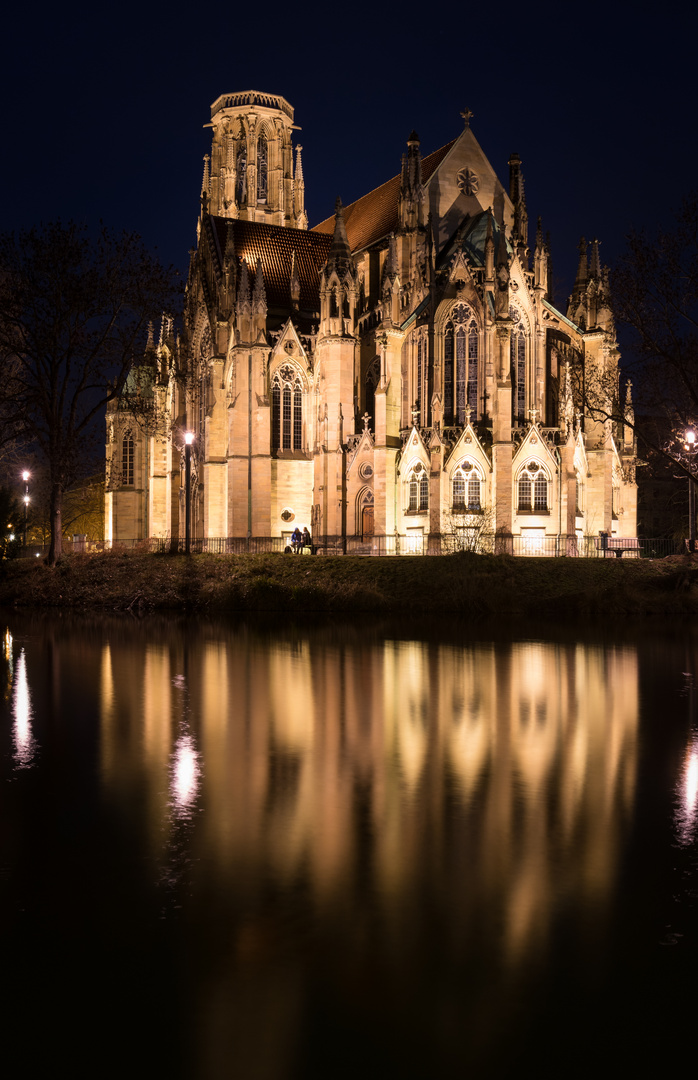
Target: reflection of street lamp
x=188, y=440
x=25, y=476
x=690, y=448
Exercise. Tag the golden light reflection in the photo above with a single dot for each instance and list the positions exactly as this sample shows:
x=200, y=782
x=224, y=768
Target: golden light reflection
x=185, y=776
x=687, y=795
x=510, y=767
x=25, y=745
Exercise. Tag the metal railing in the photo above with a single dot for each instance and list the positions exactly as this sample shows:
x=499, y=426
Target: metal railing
x=588, y=547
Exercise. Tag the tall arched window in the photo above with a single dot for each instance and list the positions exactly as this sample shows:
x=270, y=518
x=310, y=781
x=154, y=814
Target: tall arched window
x=262, y=164
x=448, y=373
x=461, y=356
x=466, y=488
x=533, y=489
x=127, y=455
x=417, y=489
x=518, y=366
x=286, y=409
x=241, y=174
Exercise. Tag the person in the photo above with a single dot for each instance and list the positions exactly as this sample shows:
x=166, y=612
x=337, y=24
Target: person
x=307, y=542
x=296, y=540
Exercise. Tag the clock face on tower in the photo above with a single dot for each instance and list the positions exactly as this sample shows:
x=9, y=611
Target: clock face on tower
x=468, y=181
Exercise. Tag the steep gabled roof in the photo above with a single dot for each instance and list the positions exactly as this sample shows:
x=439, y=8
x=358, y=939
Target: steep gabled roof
x=275, y=246
x=375, y=215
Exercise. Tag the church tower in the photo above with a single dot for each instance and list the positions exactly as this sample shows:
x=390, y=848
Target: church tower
x=250, y=172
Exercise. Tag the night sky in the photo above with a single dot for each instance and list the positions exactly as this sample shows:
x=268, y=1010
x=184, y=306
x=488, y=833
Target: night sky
x=104, y=107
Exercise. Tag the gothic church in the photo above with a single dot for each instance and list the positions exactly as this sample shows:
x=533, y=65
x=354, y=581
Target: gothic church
x=395, y=378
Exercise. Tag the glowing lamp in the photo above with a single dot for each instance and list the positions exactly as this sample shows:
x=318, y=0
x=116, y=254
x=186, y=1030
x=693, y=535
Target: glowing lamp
x=189, y=437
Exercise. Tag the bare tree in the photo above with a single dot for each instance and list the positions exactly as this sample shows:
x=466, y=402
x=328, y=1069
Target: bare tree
x=655, y=300
x=74, y=313
x=468, y=530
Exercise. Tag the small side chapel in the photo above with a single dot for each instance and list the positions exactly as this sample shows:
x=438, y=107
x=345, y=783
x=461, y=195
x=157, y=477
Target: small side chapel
x=389, y=379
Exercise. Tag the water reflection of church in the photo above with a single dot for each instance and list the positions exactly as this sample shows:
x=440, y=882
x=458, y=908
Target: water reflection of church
x=461, y=750
x=398, y=371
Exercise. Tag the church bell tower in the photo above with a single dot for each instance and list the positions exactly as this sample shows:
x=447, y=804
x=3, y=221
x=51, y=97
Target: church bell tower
x=250, y=172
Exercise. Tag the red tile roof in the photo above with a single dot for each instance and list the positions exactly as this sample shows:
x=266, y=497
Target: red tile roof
x=275, y=245
x=375, y=215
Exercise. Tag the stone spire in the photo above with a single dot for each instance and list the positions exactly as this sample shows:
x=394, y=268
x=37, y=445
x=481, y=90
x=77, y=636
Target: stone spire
x=540, y=261
x=339, y=258
x=411, y=200
x=519, y=234
x=595, y=264
x=299, y=193
x=243, y=301
x=259, y=296
x=580, y=282
x=294, y=283
x=489, y=248
x=502, y=276
x=206, y=182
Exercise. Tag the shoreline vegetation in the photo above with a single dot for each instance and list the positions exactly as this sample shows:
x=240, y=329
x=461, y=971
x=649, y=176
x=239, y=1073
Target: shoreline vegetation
x=466, y=585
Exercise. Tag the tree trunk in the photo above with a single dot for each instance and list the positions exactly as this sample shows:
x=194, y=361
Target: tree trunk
x=56, y=546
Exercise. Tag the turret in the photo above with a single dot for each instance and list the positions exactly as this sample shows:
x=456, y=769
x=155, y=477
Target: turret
x=339, y=287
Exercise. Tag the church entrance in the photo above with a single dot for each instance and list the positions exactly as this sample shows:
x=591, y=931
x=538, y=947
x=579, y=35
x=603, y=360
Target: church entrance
x=366, y=522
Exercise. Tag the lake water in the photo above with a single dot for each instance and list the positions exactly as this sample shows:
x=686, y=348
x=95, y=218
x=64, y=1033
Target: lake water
x=352, y=850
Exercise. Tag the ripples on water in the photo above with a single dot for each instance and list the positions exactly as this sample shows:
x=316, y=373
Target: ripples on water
x=339, y=852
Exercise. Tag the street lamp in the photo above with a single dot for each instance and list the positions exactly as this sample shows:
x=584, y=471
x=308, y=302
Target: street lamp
x=188, y=440
x=25, y=476
x=690, y=448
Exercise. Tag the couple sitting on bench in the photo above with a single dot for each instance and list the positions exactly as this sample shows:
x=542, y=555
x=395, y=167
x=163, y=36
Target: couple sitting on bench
x=300, y=540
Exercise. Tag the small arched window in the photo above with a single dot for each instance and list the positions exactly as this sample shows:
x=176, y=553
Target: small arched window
x=417, y=489
x=127, y=456
x=262, y=166
x=533, y=489
x=286, y=409
x=466, y=488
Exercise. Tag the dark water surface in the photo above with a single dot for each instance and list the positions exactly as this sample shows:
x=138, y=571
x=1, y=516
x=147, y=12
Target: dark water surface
x=346, y=850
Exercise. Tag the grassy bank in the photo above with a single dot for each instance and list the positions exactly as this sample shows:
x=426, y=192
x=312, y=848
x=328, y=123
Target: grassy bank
x=467, y=585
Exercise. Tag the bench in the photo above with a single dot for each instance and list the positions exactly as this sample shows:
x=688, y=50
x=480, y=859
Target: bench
x=617, y=545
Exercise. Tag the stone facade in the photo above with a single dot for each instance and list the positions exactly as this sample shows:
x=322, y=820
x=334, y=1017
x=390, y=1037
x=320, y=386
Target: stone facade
x=396, y=377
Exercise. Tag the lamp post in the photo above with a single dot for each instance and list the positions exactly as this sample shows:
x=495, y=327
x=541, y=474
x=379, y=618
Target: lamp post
x=25, y=476
x=690, y=447
x=188, y=440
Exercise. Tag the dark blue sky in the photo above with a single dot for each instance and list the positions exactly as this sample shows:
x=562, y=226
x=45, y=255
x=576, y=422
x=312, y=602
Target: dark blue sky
x=103, y=108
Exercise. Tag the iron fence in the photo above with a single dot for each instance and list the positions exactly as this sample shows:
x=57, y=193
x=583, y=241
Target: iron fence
x=588, y=547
